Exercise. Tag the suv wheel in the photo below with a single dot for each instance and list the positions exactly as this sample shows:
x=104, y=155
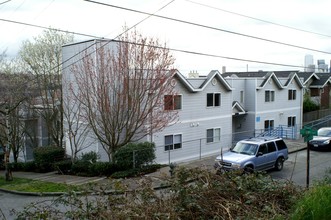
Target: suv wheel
x=248, y=169
x=279, y=164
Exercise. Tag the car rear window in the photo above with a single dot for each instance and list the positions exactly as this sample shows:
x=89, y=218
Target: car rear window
x=281, y=145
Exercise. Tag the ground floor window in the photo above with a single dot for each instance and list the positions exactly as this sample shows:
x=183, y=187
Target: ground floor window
x=268, y=124
x=213, y=135
x=291, y=121
x=172, y=142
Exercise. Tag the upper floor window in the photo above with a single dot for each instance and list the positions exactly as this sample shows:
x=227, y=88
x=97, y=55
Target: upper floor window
x=269, y=96
x=172, y=102
x=213, y=99
x=292, y=94
x=241, y=96
x=213, y=135
x=172, y=142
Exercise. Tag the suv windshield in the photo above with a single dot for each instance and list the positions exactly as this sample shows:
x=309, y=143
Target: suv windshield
x=245, y=148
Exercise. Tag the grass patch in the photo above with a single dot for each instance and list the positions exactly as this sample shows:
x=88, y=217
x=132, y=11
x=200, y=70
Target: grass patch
x=28, y=185
x=315, y=204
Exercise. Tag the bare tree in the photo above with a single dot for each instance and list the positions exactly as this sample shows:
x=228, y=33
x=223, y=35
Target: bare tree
x=75, y=126
x=121, y=88
x=43, y=56
x=14, y=94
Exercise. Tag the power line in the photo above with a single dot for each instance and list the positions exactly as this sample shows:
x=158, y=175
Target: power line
x=1, y=3
x=171, y=49
x=258, y=19
x=115, y=37
x=207, y=27
x=47, y=28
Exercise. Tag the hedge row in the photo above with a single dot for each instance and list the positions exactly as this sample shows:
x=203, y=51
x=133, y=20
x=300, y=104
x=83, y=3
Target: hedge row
x=130, y=160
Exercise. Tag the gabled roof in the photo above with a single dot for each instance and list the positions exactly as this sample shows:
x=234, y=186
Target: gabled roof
x=237, y=109
x=294, y=76
x=215, y=74
x=307, y=76
x=201, y=82
x=321, y=81
x=269, y=75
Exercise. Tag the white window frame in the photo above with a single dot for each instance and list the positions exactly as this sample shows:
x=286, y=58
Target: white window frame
x=214, y=99
x=291, y=121
x=292, y=94
x=173, y=102
x=270, y=121
x=269, y=95
x=216, y=135
x=172, y=146
x=242, y=96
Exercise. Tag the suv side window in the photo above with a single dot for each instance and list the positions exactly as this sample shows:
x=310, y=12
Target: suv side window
x=263, y=148
x=271, y=147
x=281, y=145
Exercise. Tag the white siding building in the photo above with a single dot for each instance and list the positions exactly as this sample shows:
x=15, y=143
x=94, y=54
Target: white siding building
x=215, y=110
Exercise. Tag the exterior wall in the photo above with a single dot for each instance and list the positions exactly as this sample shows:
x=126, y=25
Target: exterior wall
x=258, y=111
x=194, y=120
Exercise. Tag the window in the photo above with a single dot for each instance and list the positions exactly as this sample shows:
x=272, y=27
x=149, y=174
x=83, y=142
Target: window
x=268, y=124
x=291, y=121
x=172, y=102
x=213, y=135
x=263, y=149
x=269, y=96
x=292, y=93
x=172, y=142
x=271, y=147
x=281, y=145
x=213, y=99
x=241, y=96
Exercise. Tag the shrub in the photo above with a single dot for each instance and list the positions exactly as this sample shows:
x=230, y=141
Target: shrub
x=90, y=156
x=63, y=167
x=134, y=155
x=80, y=167
x=126, y=173
x=22, y=166
x=309, y=105
x=102, y=169
x=45, y=157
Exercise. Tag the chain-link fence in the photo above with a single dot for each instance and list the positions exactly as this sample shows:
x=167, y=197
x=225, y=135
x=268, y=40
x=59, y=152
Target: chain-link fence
x=199, y=148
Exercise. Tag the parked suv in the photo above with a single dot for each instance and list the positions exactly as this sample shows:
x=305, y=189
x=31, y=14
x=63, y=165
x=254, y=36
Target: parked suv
x=258, y=153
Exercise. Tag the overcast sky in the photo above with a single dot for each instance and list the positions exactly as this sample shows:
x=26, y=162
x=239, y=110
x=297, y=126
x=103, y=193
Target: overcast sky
x=237, y=29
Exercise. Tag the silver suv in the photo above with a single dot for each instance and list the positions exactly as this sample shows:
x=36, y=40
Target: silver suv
x=258, y=153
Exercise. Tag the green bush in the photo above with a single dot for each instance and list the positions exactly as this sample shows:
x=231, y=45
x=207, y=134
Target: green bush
x=102, y=169
x=90, y=156
x=63, y=167
x=126, y=173
x=309, y=105
x=315, y=204
x=23, y=166
x=135, y=155
x=80, y=168
x=45, y=157
x=136, y=171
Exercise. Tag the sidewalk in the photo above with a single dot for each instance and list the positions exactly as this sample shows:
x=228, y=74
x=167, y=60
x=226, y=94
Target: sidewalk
x=158, y=178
